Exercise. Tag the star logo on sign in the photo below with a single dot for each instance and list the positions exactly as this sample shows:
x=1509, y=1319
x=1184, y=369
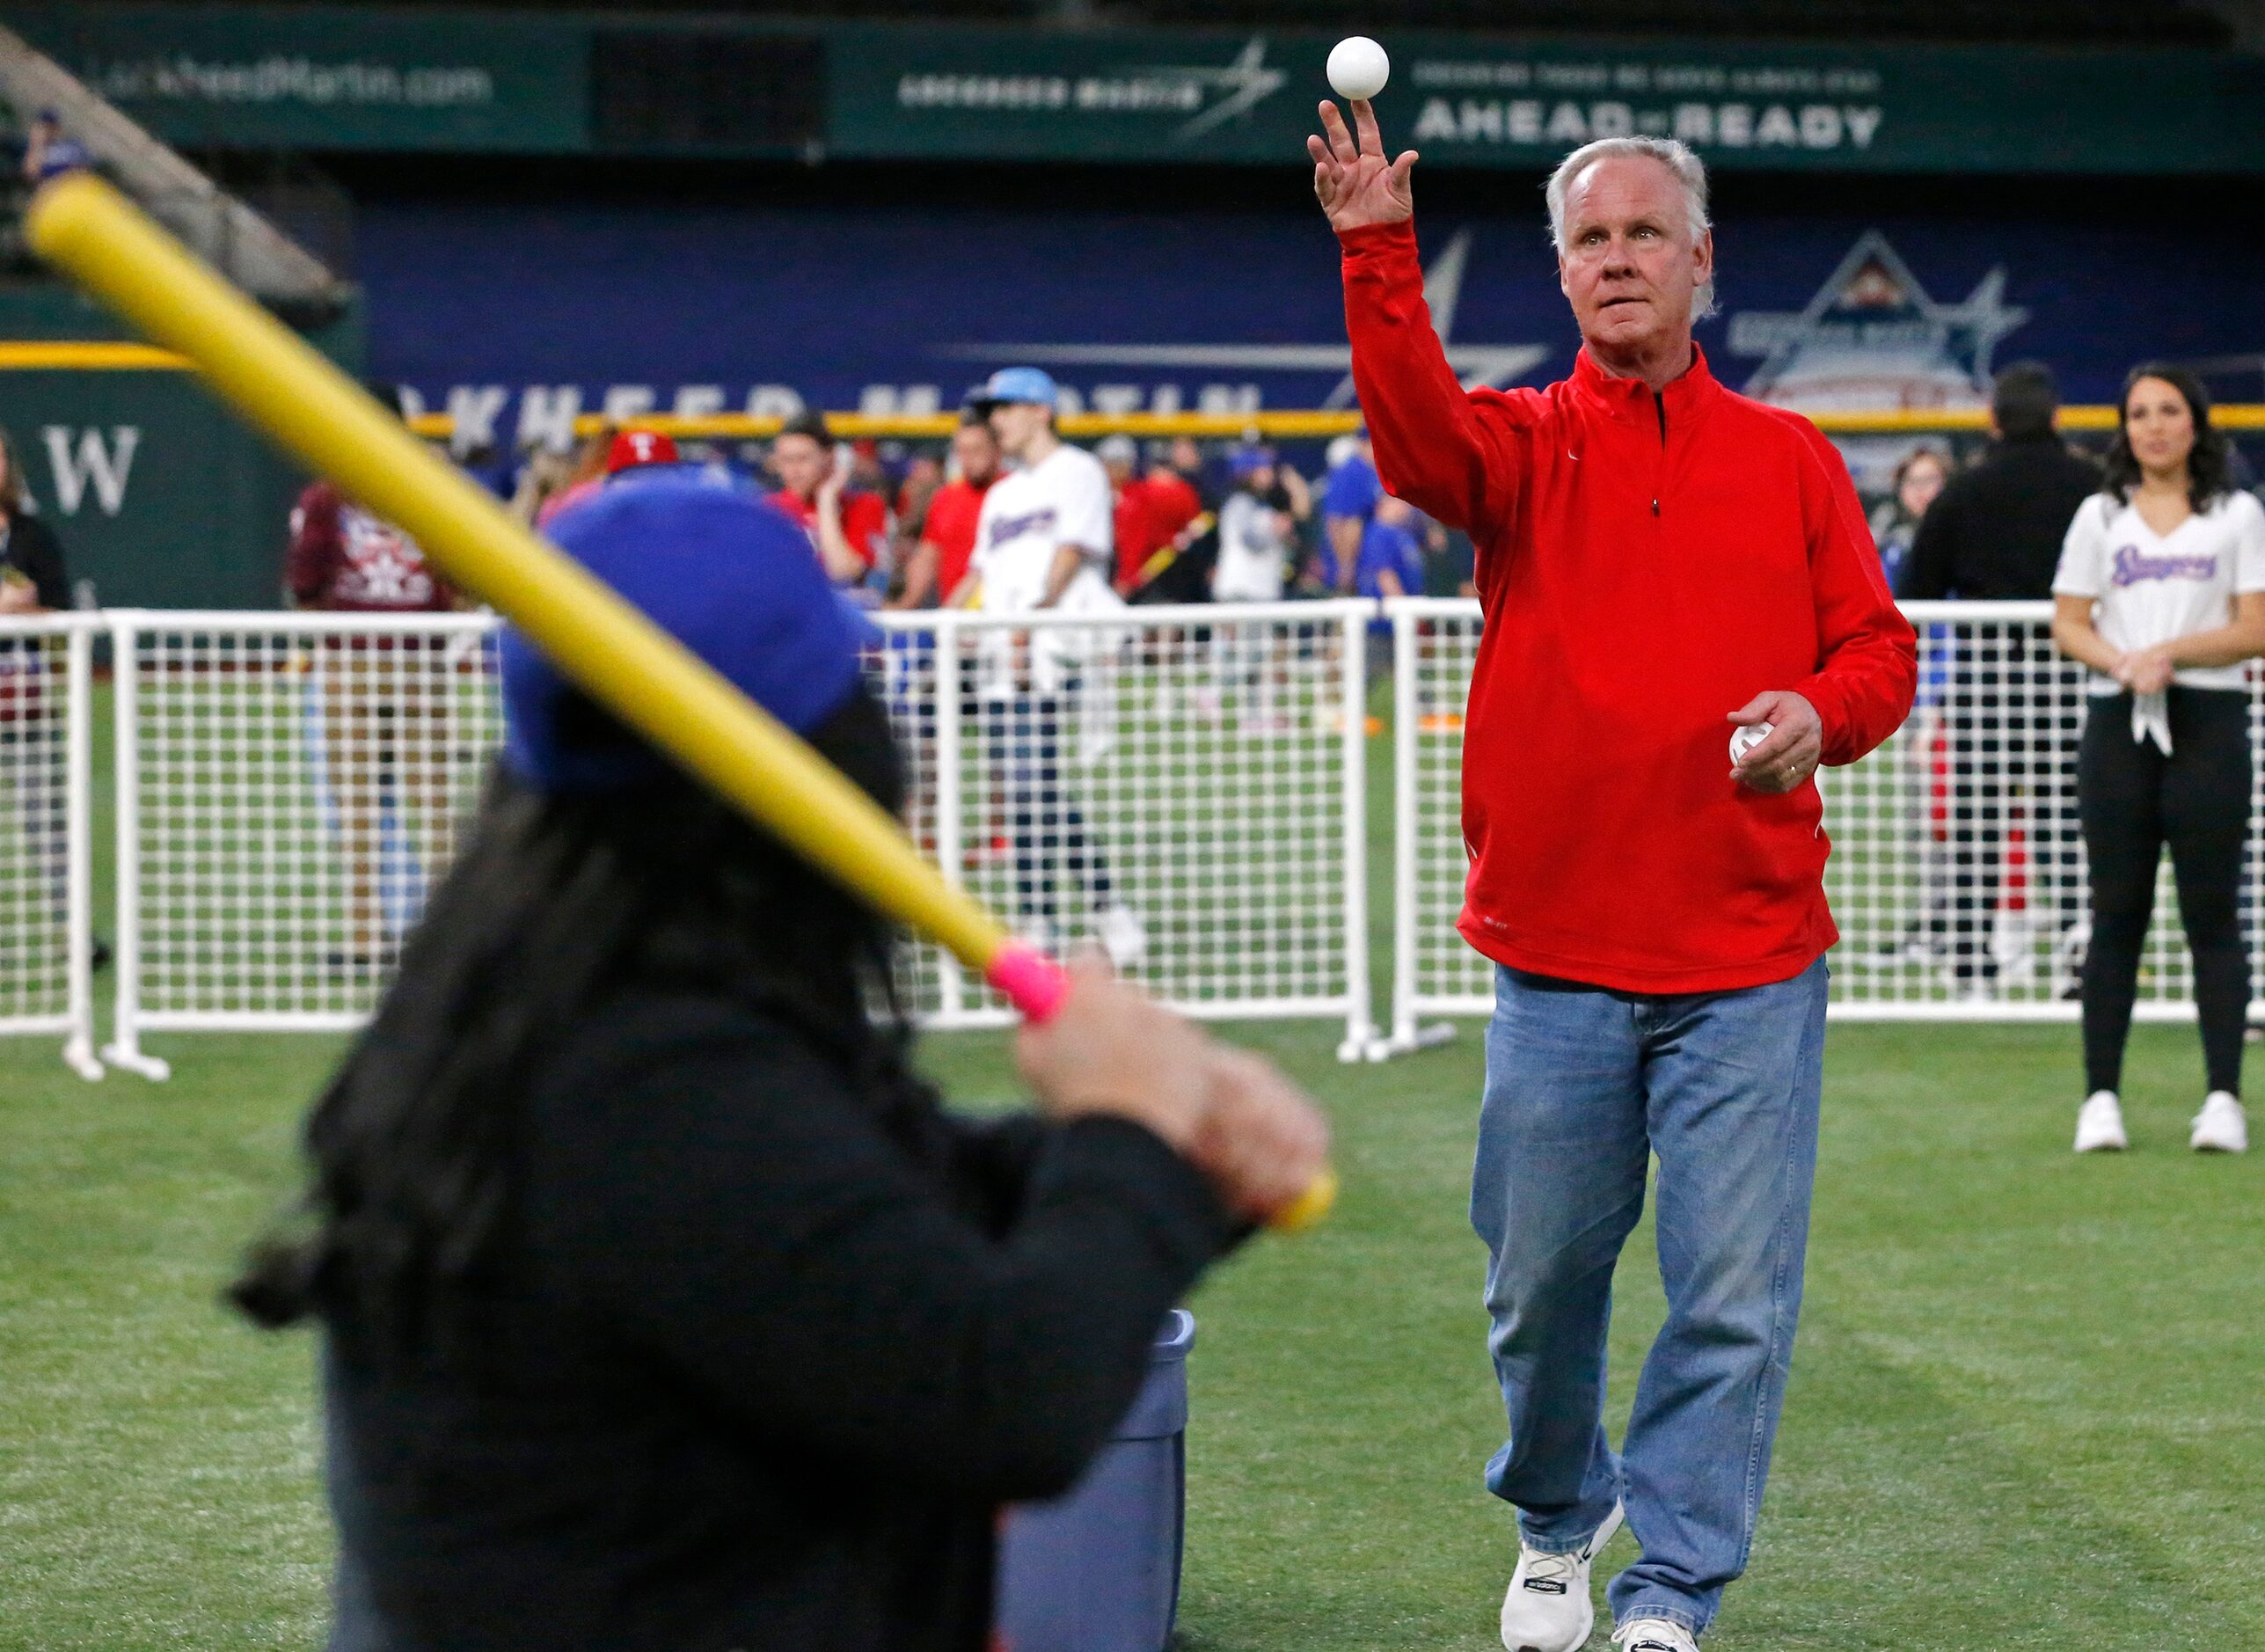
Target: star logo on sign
x=1871, y=337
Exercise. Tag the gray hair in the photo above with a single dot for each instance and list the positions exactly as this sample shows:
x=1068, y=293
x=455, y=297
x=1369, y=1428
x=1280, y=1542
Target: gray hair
x=1677, y=156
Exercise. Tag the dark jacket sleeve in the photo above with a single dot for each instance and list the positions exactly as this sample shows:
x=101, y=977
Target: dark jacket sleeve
x=312, y=555
x=993, y=1161
x=34, y=551
x=731, y=1206
x=1933, y=566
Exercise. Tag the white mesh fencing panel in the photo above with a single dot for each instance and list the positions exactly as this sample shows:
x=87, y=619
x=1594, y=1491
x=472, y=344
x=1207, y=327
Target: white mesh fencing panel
x=1435, y=642
x=290, y=788
x=1178, y=787
x=44, y=804
x=1183, y=791
x=1957, y=875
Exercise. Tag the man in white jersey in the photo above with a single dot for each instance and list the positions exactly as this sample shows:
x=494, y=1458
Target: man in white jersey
x=1043, y=542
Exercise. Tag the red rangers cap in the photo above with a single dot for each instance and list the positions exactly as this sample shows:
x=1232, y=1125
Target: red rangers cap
x=632, y=448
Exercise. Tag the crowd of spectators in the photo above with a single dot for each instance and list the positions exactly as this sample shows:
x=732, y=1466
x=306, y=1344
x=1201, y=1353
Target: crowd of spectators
x=1239, y=521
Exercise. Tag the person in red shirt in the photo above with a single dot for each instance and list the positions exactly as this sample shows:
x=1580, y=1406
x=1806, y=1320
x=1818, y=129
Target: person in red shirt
x=939, y=564
x=1660, y=561
x=1179, y=530
x=848, y=526
x=385, y=702
x=1134, y=514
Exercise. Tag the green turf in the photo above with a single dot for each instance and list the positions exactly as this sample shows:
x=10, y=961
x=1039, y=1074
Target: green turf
x=2024, y=1409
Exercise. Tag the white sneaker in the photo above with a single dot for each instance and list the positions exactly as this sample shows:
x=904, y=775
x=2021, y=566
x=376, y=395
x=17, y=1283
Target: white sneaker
x=1548, y=1608
x=1654, y=1635
x=1040, y=935
x=2221, y=1127
x=2100, y=1124
x=1122, y=934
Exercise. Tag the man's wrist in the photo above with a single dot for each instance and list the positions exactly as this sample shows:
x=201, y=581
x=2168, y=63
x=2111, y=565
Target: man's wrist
x=1377, y=237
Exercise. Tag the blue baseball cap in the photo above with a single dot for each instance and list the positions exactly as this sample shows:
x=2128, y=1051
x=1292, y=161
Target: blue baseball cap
x=1019, y=384
x=1247, y=460
x=727, y=575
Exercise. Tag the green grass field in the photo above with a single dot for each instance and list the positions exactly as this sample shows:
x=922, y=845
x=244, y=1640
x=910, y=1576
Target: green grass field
x=2025, y=1409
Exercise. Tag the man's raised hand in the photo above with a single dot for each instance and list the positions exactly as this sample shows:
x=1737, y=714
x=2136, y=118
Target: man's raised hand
x=1352, y=180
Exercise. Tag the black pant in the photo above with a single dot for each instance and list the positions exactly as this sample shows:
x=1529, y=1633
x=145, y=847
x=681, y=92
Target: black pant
x=1027, y=735
x=2133, y=799
x=2013, y=721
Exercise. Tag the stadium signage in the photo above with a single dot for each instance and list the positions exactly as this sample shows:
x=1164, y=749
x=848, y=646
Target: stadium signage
x=329, y=77
x=1197, y=97
x=938, y=92
x=326, y=77
x=1554, y=104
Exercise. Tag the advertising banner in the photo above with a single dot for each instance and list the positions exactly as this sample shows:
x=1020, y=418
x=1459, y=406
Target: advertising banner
x=1470, y=101
x=341, y=77
x=327, y=78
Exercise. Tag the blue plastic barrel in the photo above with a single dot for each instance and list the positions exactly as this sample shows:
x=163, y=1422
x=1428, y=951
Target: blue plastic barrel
x=1098, y=1569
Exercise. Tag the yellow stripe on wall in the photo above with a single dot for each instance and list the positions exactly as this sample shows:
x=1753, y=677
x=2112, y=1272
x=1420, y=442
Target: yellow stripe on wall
x=76, y=355
x=34, y=355
x=1283, y=424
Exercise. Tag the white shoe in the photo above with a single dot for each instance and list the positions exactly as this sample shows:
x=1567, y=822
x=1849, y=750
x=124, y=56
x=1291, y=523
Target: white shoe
x=2221, y=1127
x=1040, y=935
x=1972, y=989
x=2100, y=1124
x=1122, y=934
x=1548, y=1608
x=1654, y=1635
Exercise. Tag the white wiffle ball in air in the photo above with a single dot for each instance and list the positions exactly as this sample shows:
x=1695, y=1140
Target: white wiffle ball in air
x=1358, y=68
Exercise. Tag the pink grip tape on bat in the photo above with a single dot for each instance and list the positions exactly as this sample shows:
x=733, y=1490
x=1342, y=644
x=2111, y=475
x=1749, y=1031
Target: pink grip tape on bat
x=1032, y=982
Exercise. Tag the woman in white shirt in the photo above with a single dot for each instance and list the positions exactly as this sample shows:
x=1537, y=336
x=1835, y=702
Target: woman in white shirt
x=2161, y=591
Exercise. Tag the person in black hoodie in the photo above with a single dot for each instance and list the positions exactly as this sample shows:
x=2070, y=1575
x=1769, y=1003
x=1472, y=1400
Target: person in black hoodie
x=664, y=1305
x=1994, y=535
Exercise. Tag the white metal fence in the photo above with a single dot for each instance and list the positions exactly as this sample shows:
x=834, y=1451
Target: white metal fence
x=1187, y=787
x=288, y=786
x=1957, y=873
x=47, y=900
x=1183, y=786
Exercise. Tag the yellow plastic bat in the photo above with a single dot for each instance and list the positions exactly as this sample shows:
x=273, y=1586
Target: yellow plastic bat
x=626, y=662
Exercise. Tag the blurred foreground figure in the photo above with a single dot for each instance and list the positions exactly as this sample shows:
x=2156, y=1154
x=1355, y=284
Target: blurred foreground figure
x=664, y=1308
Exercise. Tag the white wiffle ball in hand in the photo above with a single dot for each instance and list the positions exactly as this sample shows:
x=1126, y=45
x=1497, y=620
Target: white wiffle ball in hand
x=1358, y=68
x=1744, y=740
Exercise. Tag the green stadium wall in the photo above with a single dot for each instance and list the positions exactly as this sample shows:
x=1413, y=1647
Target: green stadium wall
x=566, y=82
x=161, y=497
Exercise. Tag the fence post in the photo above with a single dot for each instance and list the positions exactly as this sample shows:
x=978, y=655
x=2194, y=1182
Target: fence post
x=125, y=1047
x=950, y=853
x=79, y=867
x=1406, y=728
x=1360, y=1024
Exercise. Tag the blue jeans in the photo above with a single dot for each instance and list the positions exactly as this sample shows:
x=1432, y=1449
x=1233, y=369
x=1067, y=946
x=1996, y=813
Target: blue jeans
x=1582, y=1085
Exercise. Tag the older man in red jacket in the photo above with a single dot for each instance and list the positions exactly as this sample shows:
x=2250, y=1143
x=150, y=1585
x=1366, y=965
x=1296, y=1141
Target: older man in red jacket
x=1661, y=562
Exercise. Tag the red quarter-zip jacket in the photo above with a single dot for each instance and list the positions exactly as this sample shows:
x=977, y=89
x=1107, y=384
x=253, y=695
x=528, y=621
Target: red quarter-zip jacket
x=1647, y=563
